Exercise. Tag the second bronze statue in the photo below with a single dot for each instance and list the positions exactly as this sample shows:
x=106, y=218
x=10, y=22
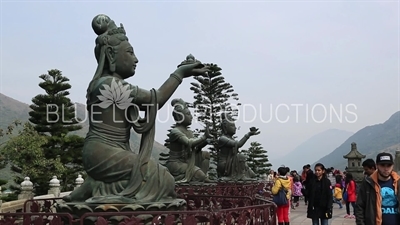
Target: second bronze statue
x=187, y=162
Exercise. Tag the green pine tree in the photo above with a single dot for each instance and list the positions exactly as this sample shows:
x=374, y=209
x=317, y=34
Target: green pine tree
x=164, y=156
x=213, y=96
x=166, y=141
x=257, y=158
x=53, y=115
x=27, y=157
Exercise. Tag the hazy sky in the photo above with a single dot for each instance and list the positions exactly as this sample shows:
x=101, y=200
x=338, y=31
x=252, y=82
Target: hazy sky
x=331, y=53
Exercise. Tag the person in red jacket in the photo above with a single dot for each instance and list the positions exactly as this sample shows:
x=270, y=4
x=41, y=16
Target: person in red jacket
x=351, y=195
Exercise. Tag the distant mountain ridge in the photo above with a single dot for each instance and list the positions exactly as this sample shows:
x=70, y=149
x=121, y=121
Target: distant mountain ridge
x=370, y=140
x=11, y=110
x=314, y=148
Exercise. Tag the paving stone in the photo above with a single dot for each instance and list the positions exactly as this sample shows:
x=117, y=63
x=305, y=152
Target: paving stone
x=299, y=217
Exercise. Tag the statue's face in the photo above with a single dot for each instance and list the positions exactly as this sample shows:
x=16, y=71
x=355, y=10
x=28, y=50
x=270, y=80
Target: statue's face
x=230, y=128
x=125, y=60
x=187, y=120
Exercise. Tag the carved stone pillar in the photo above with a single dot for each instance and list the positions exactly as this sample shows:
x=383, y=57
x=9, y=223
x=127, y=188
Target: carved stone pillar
x=55, y=187
x=79, y=181
x=26, y=189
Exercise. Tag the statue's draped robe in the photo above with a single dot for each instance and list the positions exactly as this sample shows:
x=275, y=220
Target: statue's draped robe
x=183, y=159
x=230, y=162
x=114, y=167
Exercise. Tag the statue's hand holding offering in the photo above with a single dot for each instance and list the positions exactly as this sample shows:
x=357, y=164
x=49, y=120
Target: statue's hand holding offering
x=194, y=69
x=254, y=131
x=207, y=133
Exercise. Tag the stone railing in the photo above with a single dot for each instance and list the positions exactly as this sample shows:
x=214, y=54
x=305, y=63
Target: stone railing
x=27, y=193
x=213, y=204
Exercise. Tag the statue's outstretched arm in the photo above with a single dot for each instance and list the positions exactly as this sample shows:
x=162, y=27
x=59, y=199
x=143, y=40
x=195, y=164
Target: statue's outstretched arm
x=243, y=140
x=232, y=143
x=191, y=141
x=202, y=144
x=164, y=92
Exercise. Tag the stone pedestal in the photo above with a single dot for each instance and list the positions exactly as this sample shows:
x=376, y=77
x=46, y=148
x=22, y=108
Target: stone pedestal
x=120, y=211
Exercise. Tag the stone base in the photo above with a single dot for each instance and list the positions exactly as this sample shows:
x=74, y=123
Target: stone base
x=78, y=209
x=196, y=184
x=241, y=181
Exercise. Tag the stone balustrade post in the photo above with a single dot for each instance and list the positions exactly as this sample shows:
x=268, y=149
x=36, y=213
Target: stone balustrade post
x=26, y=189
x=54, y=187
x=79, y=181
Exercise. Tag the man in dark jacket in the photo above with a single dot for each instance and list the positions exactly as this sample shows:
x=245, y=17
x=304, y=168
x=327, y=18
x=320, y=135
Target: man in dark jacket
x=369, y=167
x=379, y=195
x=307, y=181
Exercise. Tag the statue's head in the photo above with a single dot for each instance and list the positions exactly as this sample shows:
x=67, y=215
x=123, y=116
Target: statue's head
x=113, y=50
x=181, y=113
x=228, y=124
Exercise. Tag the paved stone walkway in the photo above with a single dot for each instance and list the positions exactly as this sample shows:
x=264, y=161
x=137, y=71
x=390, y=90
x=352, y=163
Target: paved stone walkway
x=298, y=216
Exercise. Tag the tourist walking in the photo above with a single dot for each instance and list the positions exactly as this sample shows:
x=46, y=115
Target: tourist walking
x=332, y=178
x=309, y=174
x=379, y=195
x=338, y=195
x=320, y=197
x=369, y=167
x=297, y=187
x=349, y=195
x=270, y=177
x=282, y=182
x=291, y=187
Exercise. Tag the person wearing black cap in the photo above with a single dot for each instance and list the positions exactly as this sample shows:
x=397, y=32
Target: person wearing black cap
x=379, y=195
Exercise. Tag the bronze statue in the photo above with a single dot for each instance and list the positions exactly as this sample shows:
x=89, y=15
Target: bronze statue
x=115, y=173
x=187, y=162
x=231, y=164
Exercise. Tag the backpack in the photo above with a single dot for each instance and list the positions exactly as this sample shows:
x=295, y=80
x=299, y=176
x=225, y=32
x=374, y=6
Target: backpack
x=280, y=198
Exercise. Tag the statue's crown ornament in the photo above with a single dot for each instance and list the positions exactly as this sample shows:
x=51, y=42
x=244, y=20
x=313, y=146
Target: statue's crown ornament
x=104, y=25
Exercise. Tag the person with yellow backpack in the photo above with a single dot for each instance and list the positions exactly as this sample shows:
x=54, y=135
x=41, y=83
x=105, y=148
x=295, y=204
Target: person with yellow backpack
x=281, y=192
x=338, y=195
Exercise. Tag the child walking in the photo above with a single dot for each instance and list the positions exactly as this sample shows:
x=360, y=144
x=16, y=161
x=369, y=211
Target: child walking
x=297, y=187
x=338, y=195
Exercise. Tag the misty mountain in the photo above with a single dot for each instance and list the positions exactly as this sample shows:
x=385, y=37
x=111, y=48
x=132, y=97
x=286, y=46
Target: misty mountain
x=314, y=148
x=370, y=141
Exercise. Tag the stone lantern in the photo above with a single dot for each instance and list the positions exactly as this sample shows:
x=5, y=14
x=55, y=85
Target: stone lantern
x=354, y=158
